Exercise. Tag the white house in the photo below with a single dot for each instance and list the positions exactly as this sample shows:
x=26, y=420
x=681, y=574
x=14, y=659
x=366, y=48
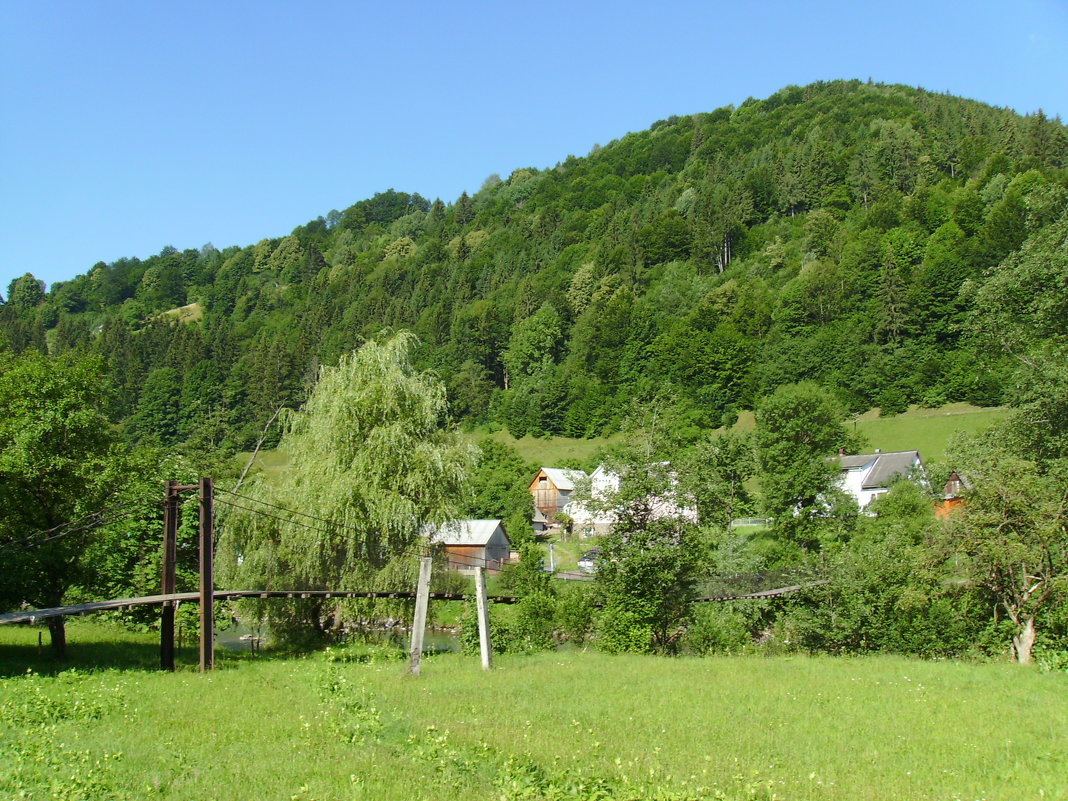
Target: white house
x=603, y=484
x=866, y=476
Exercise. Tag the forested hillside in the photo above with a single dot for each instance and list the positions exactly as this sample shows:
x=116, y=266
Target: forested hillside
x=840, y=232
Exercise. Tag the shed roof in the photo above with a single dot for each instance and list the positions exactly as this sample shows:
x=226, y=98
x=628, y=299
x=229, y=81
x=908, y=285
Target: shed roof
x=884, y=467
x=564, y=479
x=465, y=532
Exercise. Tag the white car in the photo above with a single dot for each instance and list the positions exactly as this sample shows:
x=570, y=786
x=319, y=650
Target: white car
x=588, y=562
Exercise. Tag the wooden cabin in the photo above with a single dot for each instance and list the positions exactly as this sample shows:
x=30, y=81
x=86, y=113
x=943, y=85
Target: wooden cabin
x=951, y=496
x=552, y=488
x=473, y=543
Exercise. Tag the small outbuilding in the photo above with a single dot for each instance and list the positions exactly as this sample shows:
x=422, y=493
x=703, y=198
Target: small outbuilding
x=952, y=494
x=473, y=543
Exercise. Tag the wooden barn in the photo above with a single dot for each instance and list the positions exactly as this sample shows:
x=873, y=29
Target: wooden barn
x=552, y=488
x=473, y=543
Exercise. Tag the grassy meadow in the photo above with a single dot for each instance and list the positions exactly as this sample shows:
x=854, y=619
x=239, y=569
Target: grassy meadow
x=349, y=724
x=926, y=430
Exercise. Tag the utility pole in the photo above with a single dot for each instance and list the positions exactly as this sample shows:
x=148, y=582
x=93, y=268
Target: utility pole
x=207, y=578
x=422, y=597
x=483, y=618
x=170, y=558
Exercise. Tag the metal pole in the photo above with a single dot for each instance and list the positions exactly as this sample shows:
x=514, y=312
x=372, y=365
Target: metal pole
x=169, y=584
x=207, y=579
x=483, y=618
x=422, y=596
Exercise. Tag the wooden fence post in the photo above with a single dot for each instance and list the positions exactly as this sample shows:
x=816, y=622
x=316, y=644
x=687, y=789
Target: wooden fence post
x=169, y=583
x=422, y=596
x=483, y=618
x=207, y=578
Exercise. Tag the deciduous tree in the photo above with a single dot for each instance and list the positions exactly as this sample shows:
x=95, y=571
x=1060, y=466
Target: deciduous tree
x=57, y=465
x=799, y=428
x=372, y=461
x=1011, y=538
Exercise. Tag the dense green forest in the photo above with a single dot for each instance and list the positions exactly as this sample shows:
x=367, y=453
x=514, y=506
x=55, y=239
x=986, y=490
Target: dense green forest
x=840, y=232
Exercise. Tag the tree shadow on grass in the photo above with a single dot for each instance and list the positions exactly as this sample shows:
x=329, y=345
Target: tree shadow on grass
x=100, y=648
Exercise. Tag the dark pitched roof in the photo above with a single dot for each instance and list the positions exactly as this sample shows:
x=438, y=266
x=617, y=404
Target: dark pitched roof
x=955, y=486
x=886, y=467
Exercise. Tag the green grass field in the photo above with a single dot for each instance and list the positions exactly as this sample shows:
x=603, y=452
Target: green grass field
x=554, y=451
x=348, y=724
x=925, y=430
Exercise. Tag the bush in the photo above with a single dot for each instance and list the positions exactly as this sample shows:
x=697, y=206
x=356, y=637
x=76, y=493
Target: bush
x=623, y=629
x=717, y=628
x=575, y=613
x=524, y=628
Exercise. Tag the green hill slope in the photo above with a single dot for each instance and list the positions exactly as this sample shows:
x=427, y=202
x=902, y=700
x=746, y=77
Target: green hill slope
x=822, y=233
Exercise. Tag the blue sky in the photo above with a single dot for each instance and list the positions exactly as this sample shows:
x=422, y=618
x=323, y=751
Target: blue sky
x=129, y=126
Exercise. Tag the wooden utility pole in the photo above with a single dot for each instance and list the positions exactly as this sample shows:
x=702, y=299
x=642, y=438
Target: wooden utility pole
x=207, y=578
x=483, y=618
x=169, y=584
x=422, y=596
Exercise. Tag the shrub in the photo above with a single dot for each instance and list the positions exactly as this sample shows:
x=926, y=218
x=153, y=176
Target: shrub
x=716, y=628
x=624, y=629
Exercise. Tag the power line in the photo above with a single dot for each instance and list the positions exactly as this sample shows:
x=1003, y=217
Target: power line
x=290, y=511
x=465, y=561
x=96, y=519
x=88, y=517
x=399, y=551
x=474, y=561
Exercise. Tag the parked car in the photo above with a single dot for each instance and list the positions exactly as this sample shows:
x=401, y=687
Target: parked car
x=588, y=562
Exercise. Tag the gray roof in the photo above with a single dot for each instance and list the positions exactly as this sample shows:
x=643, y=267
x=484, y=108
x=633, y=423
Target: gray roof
x=886, y=467
x=465, y=532
x=564, y=479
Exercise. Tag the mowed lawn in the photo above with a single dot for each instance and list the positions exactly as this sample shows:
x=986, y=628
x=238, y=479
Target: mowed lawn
x=557, y=725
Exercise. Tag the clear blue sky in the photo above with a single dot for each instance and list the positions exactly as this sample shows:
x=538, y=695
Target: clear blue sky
x=129, y=126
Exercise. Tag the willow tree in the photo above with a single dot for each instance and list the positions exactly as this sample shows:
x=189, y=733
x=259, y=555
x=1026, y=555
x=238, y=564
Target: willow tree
x=371, y=462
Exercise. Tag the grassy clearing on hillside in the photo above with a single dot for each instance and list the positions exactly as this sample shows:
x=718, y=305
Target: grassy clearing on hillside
x=186, y=314
x=925, y=430
x=554, y=451
x=269, y=462
x=348, y=724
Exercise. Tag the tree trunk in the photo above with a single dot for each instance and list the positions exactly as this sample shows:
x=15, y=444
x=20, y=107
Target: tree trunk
x=57, y=629
x=1024, y=640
